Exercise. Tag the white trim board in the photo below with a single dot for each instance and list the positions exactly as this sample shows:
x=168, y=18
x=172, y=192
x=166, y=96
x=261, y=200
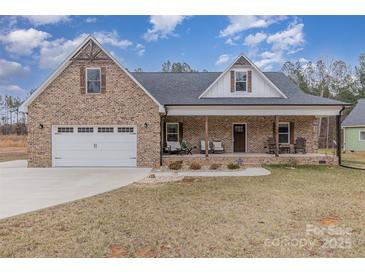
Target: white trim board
x=62, y=67
x=252, y=110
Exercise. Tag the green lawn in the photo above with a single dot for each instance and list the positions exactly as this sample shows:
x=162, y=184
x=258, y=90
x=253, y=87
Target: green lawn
x=4, y=157
x=206, y=217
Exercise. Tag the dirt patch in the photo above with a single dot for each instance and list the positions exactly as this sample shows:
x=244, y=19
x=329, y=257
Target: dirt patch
x=146, y=252
x=330, y=220
x=117, y=251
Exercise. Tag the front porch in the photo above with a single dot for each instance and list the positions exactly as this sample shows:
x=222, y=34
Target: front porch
x=245, y=140
x=251, y=159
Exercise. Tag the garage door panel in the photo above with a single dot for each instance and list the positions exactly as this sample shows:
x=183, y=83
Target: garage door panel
x=94, y=149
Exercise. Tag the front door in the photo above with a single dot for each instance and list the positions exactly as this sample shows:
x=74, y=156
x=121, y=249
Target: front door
x=239, y=138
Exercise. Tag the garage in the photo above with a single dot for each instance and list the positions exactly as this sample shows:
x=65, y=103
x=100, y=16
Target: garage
x=93, y=146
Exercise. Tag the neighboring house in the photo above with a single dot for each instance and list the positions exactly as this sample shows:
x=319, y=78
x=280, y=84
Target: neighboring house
x=354, y=128
x=93, y=112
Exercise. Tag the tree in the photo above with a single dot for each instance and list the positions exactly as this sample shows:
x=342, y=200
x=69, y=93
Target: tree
x=177, y=67
x=138, y=70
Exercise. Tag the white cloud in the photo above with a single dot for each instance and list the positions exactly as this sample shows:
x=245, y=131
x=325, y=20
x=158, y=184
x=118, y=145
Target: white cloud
x=91, y=20
x=112, y=38
x=13, y=90
x=292, y=37
x=231, y=40
x=10, y=70
x=239, y=23
x=140, y=49
x=268, y=58
x=23, y=41
x=52, y=53
x=46, y=19
x=162, y=26
x=253, y=40
x=222, y=59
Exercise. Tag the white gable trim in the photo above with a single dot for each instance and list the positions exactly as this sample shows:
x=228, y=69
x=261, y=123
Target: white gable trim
x=254, y=67
x=62, y=67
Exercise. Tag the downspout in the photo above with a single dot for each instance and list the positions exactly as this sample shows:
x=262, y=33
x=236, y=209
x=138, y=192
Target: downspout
x=162, y=117
x=339, y=139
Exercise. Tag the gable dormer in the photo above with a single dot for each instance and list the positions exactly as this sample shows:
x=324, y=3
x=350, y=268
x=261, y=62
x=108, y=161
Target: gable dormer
x=242, y=79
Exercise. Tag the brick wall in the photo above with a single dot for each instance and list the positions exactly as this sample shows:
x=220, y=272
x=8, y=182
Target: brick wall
x=259, y=129
x=62, y=103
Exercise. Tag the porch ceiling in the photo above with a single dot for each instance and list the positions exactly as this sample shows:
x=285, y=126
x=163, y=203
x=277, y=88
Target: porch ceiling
x=253, y=110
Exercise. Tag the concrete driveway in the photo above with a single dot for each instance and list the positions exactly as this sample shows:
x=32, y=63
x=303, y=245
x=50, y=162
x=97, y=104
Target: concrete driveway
x=26, y=189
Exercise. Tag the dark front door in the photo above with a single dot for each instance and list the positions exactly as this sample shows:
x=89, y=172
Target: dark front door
x=239, y=138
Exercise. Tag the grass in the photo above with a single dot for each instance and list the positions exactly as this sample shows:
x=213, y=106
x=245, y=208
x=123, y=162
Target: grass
x=13, y=147
x=201, y=217
x=352, y=159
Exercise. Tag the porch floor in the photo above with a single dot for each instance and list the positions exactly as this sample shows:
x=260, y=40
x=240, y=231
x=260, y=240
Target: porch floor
x=243, y=154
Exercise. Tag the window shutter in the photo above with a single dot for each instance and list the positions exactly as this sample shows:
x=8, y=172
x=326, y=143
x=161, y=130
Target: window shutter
x=249, y=81
x=232, y=81
x=103, y=80
x=181, y=131
x=164, y=134
x=82, y=80
x=292, y=140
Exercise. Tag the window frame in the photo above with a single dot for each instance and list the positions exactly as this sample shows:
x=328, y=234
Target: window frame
x=235, y=81
x=361, y=131
x=178, y=130
x=288, y=124
x=86, y=80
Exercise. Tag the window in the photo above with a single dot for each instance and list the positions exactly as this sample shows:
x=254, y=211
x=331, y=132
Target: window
x=362, y=135
x=241, y=80
x=105, y=129
x=93, y=80
x=65, y=130
x=125, y=129
x=284, y=133
x=172, y=132
x=85, y=130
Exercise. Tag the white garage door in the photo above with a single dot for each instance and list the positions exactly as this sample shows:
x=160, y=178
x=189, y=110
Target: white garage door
x=94, y=146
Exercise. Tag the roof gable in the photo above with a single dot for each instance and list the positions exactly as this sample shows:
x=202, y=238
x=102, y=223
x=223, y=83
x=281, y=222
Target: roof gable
x=89, y=49
x=262, y=86
x=356, y=116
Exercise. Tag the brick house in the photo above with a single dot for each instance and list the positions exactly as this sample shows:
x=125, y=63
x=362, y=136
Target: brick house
x=93, y=112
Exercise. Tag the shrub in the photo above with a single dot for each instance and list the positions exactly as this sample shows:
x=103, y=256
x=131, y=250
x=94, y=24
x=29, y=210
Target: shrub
x=195, y=166
x=175, y=165
x=233, y=166
x=215, y=166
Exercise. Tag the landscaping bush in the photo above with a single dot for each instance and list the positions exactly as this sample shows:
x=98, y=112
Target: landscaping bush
x=175, y=165
x=233, y=166
x=215, y=166
x=195, y=166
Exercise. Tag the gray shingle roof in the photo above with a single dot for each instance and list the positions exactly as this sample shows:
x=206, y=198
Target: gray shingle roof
x=171, y=88
x=356, y=116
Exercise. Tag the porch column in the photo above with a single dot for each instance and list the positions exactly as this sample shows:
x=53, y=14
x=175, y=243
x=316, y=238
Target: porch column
x=206, y=137
x=276, y=137
x=338, y=138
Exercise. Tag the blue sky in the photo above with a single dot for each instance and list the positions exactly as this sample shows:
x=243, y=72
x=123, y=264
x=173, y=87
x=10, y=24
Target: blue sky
x=31, y=47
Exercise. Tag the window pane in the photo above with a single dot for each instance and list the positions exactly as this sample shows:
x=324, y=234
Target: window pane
x=93, y=87
x=172, y=137
x=362, y=135
x=283, y=128
x=93, y=74
x=240, y=76
x=284, y=138
x=172, y=128
x=240, y=86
